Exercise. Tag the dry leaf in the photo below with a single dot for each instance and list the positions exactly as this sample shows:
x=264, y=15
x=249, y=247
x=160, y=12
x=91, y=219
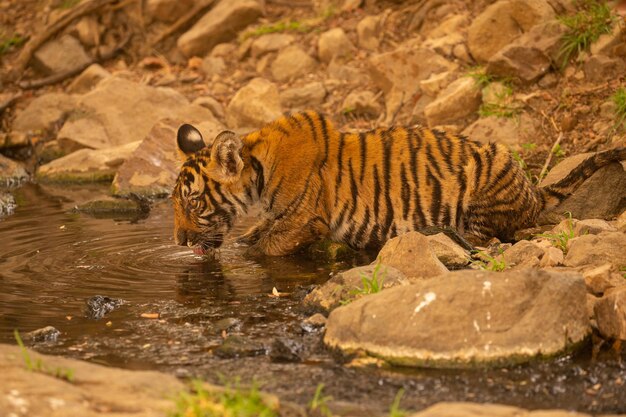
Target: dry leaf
x=150, y=315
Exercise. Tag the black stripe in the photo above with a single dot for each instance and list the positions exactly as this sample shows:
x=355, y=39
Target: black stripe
x=442, y=140
x=281, y=129
x=445, y=219
x=363, y=149
x=339, y=166
x=406, y=192
x=435, y=203
x=340, y=218
x=326, y=139
x=432, y=161
x=419, y=219
x=274, y=192
x=260, y=179
x=387, y=147
x=478, y=169
x=353, y=190
x=218, y=190
x=377, y=191
x=497, y=182
x=311, y=123
x=361, y=232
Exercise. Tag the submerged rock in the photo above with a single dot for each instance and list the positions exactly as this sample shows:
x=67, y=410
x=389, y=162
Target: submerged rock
x=99, y=305
x=7, y=204
x=285, y=350
x=314, y=323
x=466, y=318
x=114, y=208
x=45, y=334
x=237, y=347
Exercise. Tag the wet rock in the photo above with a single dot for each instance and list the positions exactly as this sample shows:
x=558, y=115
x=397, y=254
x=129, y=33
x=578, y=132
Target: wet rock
x=167, y=10
x=509, y=131
x=531, y=55
x=597, y=249
x=523, y=253
x=7, y=204
x=152, y=167
x=502, y=22
x=115, y=208
x=368, y=31
x=238, y=347
x=87, y=165
x=213, y=65
x=398, y=73
x=12, y=173
x=362, y=103
x=99, y=305
x=60, y=55
x=43, y=335
x=456, y=409
x=291, y=63
x=448, y=252
x=271, y=42
x=220, y=24
x=285, y=350
x=306, y=96
x=466, y=318
x=95, y=390
x=118, y=111
x=88, y=79
x=412, y=255
x=460, y=99
x=601, y=278
x=347, y=285
x=229, y=324
x=254, y=105
x=214, y=106
x=43, y=113
x=314, y=323
x=600, y=197
x=334, y=43
x=599, y=68
x=610, y=313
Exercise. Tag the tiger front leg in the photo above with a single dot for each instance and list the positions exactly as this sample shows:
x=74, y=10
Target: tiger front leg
x=253, y=234
x=286, y=236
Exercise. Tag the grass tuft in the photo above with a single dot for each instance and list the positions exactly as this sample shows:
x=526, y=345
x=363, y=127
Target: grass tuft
x=489, y=263
x=235, y=402
x=560, y=239
x=37, y=365
x=594, y=19
x=619, y=99
x=319, y=403
x=8, y=43
x=395, y=410
x=370, y=284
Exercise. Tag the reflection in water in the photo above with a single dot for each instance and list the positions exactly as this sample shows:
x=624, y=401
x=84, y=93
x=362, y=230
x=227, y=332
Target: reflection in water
x=53, y=259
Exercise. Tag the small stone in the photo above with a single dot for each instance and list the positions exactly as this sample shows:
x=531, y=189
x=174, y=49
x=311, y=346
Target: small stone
x=599, y=68
x=314, y=323
x=334, y=43
x=7, y=204
x=552, y=257
x=436, y=82
x=460, y=99
x=291, y=63
x=212, y=65
x=43, y=335
x=610, y=313
x=238, y=347
x=368, y=31
x=601, y=278
x=254, y=105
x=306, y=96
x=606, y=247
x=12, y=173
x=229, y=325
x=523, y=252
x=167, y=10
x=285, y=350
x=448, y=252
x=212, y=104
x=271, y=42
x=362, y=103
x=88, y=31
x=60, y=55
x=412, y=255
x=98, y=306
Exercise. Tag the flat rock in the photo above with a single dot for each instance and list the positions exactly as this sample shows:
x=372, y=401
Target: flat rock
x=220, y=24
x=152, y=168
x=238, y=347
x=602, y=196
x=606, y=247
x=466, y=318
x=254, y=105
x=12, y=173
x=87, y=165
x=60, y=55
x=459, y=100
x=412, y=255
x=95, y=390
x=503, y=21
x=334, y=43
x=303, y=97
x=118, y=111
x=610, y=313
x=344, y=287
x=509, y=131
x=271, y=42
x=291, y=63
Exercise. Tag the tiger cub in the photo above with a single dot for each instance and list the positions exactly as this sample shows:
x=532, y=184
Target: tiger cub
x=357, y=188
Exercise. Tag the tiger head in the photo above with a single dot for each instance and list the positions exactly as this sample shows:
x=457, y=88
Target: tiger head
x=205, y=196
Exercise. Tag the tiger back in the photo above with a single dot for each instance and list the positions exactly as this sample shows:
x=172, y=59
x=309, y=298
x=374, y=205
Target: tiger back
x=357, y=188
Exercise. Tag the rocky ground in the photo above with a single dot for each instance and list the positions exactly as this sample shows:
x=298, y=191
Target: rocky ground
x=95, y=90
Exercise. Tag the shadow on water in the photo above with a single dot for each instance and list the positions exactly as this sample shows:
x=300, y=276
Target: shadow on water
x=177, y=308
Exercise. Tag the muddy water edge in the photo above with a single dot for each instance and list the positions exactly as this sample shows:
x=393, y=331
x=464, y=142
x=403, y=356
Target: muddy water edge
x=53, y=259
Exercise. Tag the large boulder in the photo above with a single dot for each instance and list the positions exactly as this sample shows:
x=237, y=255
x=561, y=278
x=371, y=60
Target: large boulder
x=94, y=390
x=398, y=73
x=291, y=63
x=152, y=168
x=602, y=196
x=220, y=24
x=119, y=111
x=347, y=286
x=87, y=165
x=466, y=318
x=459, y=100
x=411, y=254
x=502, y=22
x=254, y=105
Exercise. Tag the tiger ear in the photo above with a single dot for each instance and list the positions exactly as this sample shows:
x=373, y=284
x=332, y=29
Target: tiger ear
x=189, y=140
x=226, y=163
